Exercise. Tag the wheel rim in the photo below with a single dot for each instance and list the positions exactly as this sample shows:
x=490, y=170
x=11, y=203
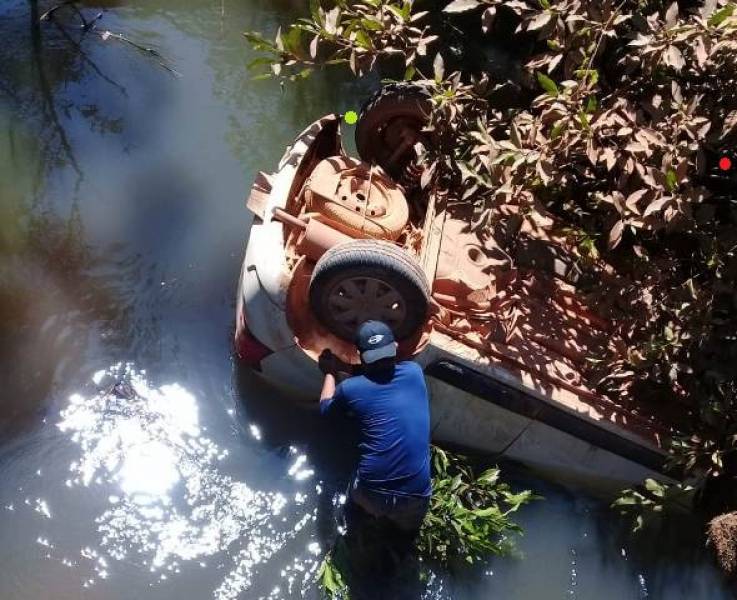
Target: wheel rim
x=357, y=299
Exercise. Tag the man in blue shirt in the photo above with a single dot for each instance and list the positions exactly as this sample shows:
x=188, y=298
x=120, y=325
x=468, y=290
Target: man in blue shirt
x=389, y=402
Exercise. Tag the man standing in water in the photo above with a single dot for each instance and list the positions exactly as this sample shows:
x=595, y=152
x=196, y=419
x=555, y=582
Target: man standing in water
x=389, y=402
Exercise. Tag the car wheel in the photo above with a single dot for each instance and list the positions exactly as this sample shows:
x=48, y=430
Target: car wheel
x=369, y=279
x=390, y=123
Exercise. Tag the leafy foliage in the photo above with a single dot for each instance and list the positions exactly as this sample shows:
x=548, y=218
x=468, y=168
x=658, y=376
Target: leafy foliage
x=469, y=517
x=332, y=575
x=608, y=150
x=468, y=521
x=354, y=33
x=711, y=450
x=652, y=501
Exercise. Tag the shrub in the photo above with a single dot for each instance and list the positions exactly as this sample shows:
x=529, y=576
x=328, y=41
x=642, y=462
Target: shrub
x=609, y=147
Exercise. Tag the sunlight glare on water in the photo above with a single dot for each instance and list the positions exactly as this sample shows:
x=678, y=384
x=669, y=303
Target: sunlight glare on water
x=175, y=506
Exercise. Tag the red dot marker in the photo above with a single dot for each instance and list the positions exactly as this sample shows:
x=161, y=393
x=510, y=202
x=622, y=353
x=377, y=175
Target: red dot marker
x=725, y=163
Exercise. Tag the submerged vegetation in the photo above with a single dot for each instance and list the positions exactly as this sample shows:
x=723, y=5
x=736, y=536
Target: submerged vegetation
x=614, y=131
x=469, y=521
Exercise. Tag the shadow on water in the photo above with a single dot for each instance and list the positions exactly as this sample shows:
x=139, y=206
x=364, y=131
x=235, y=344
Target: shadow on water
x=50, y=294
x=53, y=292
x=80, y=265
x=669, y=552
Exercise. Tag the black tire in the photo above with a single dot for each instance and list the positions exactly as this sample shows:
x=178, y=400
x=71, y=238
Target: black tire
x=409, y=103
x=399, y=277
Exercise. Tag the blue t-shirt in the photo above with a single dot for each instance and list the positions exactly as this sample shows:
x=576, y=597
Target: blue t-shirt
x=393, y=417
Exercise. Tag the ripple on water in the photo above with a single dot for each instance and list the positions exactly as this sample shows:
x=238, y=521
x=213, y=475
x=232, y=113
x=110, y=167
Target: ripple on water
x=175, y=505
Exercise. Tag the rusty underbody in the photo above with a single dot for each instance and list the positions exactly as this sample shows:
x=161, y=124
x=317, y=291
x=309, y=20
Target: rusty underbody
x=505, y=297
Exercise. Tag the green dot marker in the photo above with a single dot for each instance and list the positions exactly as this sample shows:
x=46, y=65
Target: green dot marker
x=350, y=117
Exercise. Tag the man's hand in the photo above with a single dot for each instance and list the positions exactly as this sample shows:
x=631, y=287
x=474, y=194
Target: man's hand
x=326, y=362
x=331, y=364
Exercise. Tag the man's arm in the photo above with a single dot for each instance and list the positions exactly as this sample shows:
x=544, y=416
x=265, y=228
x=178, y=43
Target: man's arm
x=328, y=387
x=330, y=365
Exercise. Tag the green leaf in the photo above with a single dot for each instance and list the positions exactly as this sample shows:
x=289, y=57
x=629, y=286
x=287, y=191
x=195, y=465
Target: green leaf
x=257, y=62
x=721, y=15
x=584, y=120
x=558, y=129
x=654, y=487
x=363, y=40
x=589, y=75
x=458, y=6
x=406, y=9
x=592, y=104
x=409, y=73
x=315, y=10
x=671, y=180
x=372, y=24
x=397, y=10
x=490, y=476
x=624, y=501
x=259, y=43
x=293, y=41
x=326, y=576
x=331, y=577
x=547, y=84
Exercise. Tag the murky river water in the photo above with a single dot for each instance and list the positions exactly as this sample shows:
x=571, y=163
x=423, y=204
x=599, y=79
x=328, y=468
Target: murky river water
x=122, y=225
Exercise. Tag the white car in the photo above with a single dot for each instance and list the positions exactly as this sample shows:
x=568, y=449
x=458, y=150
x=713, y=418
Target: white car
x=498, y=328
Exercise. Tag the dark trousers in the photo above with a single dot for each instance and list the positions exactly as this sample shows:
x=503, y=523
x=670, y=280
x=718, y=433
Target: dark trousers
x=405, y=512
x=380, y=543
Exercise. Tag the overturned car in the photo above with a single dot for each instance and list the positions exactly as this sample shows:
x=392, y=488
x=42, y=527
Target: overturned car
x=494, y=317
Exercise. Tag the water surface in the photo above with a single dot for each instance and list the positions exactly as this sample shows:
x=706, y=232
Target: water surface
x=122, y=224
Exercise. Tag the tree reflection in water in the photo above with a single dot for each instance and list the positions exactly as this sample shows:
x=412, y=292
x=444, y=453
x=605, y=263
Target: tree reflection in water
x=53, y=289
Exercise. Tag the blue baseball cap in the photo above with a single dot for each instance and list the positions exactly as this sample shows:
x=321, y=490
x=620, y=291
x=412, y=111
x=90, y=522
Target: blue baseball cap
x=375, y=341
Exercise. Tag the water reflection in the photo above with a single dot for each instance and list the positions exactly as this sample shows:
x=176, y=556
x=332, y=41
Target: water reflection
x=53, y=295
x=50, y=291
x=175, y=506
